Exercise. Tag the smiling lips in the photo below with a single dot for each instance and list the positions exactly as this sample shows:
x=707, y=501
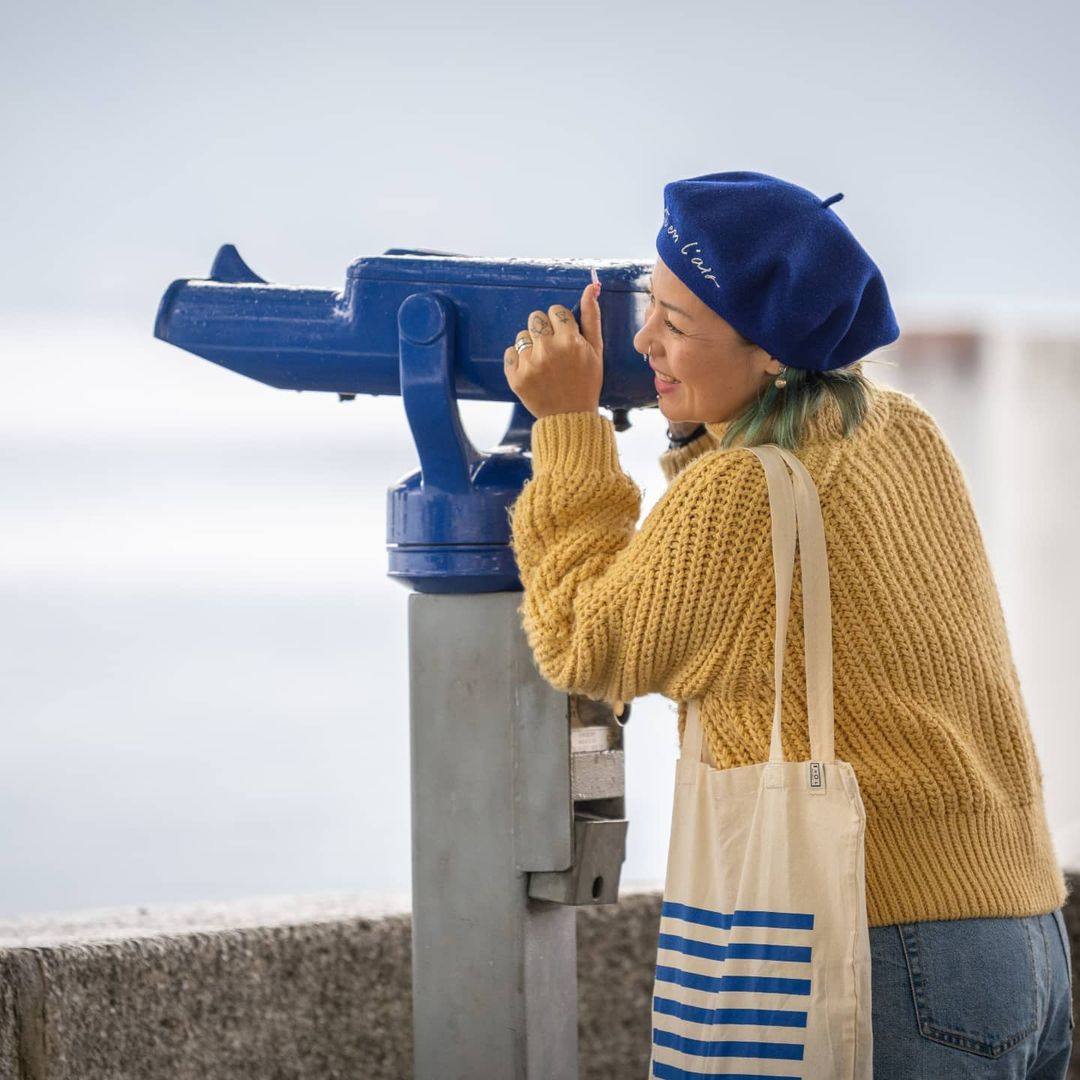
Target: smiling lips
x=664, y=377
x=664, y=384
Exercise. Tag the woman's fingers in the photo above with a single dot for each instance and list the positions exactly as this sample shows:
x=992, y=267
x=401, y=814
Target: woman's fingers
x=540, y=325
x=591, y=328
x=563, y=321
x=524, y=345
x=513, y=358
x=556, y=369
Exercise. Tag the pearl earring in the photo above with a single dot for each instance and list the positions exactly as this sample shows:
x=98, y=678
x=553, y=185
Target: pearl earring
x=781, y=382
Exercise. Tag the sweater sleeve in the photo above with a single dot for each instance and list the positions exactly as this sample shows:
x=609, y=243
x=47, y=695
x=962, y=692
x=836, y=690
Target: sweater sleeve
x=673, y=461
x=614, y=613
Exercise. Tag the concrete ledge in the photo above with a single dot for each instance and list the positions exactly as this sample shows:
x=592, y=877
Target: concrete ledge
x=291, y=988
x=316, y=987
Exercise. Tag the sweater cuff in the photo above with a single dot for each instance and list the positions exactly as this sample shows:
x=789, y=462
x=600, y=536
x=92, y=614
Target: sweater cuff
x=575, y=442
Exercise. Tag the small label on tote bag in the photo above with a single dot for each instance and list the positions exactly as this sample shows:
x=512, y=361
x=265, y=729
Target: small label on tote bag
x=817, y=775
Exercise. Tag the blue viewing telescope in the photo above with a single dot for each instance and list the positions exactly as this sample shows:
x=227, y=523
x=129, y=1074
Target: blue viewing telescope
x=432, y=327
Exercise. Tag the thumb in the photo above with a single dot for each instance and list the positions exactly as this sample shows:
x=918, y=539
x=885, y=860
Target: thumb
x=591, y=329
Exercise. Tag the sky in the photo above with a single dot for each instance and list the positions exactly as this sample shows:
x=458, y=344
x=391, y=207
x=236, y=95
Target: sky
x=140, y=137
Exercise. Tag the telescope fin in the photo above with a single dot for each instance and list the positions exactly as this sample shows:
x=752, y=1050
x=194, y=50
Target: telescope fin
x=229, y=267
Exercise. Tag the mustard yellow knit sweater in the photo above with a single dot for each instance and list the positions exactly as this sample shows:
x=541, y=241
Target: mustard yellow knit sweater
x=928, y=705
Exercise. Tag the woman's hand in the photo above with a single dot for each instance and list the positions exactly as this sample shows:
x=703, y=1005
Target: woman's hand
x=562, y=369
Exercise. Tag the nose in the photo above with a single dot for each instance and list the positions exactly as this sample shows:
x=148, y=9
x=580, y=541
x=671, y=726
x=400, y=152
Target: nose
x=643, y=339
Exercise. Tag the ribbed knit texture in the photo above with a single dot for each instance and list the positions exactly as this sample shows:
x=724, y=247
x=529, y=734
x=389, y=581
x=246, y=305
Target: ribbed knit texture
x=928, y=705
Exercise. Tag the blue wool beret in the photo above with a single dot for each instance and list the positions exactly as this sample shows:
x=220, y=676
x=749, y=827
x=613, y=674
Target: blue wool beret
x=776, y=262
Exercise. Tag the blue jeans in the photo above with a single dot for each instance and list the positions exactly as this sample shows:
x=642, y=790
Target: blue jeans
x=959, y=998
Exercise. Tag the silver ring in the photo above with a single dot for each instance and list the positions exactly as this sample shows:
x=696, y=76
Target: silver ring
x=521, y=344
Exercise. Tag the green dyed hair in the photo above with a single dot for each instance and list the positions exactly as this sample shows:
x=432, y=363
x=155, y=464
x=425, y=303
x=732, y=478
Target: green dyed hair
x=778, y=415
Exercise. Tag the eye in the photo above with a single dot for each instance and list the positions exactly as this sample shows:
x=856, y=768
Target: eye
x=673, y=329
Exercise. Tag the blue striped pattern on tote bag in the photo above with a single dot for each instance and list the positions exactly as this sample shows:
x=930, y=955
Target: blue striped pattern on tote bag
x=783, y=982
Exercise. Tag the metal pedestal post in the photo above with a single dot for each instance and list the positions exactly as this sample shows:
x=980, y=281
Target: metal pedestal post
x=493, y=810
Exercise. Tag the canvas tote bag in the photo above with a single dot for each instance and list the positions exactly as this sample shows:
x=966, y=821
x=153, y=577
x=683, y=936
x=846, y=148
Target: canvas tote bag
x=763, y=958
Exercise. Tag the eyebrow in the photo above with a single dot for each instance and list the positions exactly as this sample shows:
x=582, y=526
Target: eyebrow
x=670, y=307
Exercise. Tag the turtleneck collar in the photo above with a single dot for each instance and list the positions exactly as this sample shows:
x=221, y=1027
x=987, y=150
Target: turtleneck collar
x=826, y=424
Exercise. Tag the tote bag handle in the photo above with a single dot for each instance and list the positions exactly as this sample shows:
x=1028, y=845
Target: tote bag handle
x=794, y=500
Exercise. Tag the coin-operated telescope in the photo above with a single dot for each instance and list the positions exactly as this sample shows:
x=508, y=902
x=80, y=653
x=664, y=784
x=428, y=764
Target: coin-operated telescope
x=433, y=328
x=518, y=812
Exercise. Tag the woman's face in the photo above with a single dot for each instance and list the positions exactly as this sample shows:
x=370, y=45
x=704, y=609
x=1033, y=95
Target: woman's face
x=718, y=375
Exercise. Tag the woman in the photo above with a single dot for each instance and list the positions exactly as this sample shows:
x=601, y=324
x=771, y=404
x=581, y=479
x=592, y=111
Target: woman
x=762, y=307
